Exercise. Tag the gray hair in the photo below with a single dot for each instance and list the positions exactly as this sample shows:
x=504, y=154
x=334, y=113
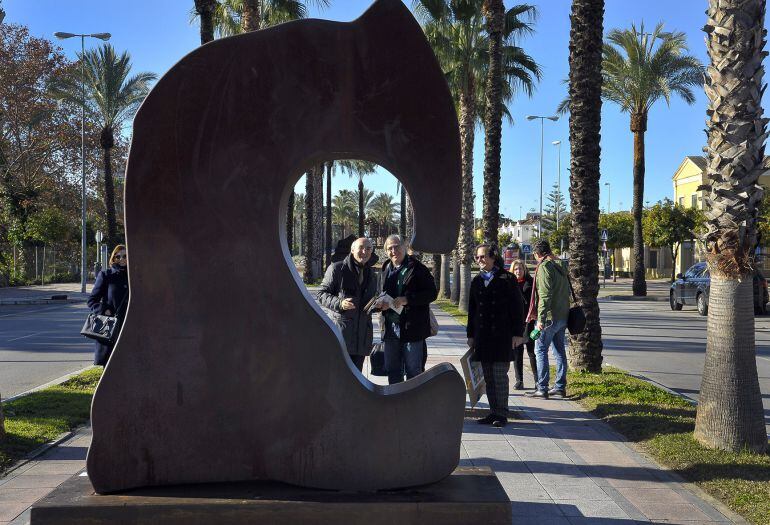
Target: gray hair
x=394, y=238
x=367, y=240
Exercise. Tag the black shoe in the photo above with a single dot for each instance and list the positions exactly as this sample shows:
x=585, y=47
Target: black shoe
x=538, y=393
x=487, y=420
x=556, y=392
x=500, y=422
x=519, y=385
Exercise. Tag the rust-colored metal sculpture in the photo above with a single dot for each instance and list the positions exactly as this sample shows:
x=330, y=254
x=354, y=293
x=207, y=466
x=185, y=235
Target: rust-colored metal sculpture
x=226, y=369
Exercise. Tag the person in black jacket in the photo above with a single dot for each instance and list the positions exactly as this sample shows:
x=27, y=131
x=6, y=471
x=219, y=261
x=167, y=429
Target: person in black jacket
x=495, y=327
x=524, y=279
x=347, y=287
x=109, y=296
x=411, y=285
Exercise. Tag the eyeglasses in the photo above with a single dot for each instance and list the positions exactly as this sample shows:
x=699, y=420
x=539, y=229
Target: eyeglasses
x=479, y=257
x=393, y=248
x=121, y=257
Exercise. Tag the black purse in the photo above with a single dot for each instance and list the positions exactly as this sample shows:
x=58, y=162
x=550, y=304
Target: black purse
x=103, y=328
x=377, y=360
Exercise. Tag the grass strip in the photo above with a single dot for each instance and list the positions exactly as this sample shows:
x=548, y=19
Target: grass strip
x=662, y=424
x=40, y=417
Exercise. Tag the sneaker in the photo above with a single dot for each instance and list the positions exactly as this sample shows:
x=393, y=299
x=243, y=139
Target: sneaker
x=557, y=392
x=538, y=393
x=487, y=420
x=519, y=385
x=500, y=422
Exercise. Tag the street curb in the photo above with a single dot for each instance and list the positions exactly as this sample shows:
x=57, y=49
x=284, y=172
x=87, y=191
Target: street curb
x=42, y=449
x=54, y=382
x=634, y=298
x=6, y=302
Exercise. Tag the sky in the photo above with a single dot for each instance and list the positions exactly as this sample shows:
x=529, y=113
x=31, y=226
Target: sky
x=158, y=33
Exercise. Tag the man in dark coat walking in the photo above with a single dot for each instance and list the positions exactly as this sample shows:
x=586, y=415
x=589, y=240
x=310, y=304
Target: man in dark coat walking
x=495, y=327
x=347, y=287
x=412, y=287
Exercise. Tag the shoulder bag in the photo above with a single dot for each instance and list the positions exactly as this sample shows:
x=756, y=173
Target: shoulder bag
x=103, y=328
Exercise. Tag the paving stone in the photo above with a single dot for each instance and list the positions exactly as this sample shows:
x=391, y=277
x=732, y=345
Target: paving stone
x=540, y=520
x=9, y=510
x=673, y=512
x=662, y=495
x=25, y=495
x=581, y=520
x=591, y=509
x=581, y=492
x=30, y=481
x=535, y=509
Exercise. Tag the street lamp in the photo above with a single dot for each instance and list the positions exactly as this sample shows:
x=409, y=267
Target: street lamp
x=553, y=118
x=105, y=37
x=609, y=194
x=557, y=143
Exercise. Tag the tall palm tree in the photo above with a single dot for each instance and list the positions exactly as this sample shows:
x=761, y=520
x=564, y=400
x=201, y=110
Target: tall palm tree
x=328, y=241
x=730, y=414
x=299, y=220
x=232, y=17
x=359, y=168
x=508, y=64
x=585, y=105
x=344, y=206
x=205, y=10
x=640, y=69
x=290, y=223
x=112, y=97
x=382, y=211
x=455, y=30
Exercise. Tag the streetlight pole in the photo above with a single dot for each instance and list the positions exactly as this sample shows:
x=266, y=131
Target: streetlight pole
x=83, y=244
x=609, y=194
x=542, y=128
x=557, y=143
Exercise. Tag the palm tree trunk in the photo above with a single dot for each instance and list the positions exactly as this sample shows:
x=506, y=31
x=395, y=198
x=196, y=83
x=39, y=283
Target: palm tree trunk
x=730, y=414
x=402, y=225
x=465, y=242
x=290, y=224
x=638, y=127
x=674, y=255
x=310, y=227
x=494, y=12
x=444, y=288
x=250, y=15
x=205, y=10
x=437, y=270
x=409, y=220
x=455, y=285
x=107, y=142
x=585, y=82
x=318, y=201
x=329, y=166
x=361, y=206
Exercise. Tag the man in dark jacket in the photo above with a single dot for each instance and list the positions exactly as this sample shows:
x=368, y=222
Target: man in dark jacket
x=411, y=286
x=347, y=287
x=495, y=327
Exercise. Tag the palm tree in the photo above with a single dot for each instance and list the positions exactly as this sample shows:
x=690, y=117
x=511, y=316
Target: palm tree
x=585, y=105
x=205, y=10
x=328, y=241
x=299, y=219
x=290, y=223
x=112, y=97
x=456, y=33
x=382, y=210
x=637, y=73
x=730, y=414
x=344, y=206
x=232, y=17
x=359, y=168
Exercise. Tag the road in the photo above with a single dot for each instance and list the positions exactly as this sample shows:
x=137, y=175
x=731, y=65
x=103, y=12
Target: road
x=40, y=343
x=667, y=347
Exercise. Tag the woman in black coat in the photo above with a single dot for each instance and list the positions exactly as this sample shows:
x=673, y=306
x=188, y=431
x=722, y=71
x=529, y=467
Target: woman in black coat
x=110, y=297
x=524, y=279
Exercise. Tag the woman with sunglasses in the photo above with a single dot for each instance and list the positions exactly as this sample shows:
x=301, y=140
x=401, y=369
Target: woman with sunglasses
x=110, y=296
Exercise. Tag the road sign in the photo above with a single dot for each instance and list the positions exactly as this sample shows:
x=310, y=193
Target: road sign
x=526, y=248
x=604, y=236
x=604, y=246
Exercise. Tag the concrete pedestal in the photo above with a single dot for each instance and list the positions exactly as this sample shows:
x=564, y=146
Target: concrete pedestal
x=469, y=495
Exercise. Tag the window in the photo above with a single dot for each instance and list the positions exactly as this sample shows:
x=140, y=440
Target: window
x=694, y=200
x=695, y=271
x=681, y=201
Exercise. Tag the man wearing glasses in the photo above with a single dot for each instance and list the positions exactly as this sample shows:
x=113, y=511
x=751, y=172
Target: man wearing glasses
x=407, y=318
x=495, y=327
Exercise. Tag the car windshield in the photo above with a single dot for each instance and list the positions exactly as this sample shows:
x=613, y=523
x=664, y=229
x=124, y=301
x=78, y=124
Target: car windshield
x=696, y=271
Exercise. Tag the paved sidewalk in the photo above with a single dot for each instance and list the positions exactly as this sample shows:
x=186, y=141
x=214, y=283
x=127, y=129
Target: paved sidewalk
x=41, y=294
x=558, y=464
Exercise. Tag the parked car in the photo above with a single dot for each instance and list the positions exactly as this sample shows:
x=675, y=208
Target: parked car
x=692, y=288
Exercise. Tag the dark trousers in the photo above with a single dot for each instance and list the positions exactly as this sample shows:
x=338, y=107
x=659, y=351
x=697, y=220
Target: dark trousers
x=496, y=379
x=358, y=360
x=518, y=361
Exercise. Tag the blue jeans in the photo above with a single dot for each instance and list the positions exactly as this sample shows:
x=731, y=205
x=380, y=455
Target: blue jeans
x=402, y=356
x=552, y=333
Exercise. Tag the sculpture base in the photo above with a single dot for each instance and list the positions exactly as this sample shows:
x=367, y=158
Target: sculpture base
x=469, y=495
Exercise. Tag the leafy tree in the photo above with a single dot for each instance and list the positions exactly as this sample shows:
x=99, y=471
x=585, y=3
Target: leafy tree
x=730, y=414
x=620, y=229
x=585, y=106
x=558, y=236
x=112, y=98
x=504, y=239
x=668, y=225
x=555, y=207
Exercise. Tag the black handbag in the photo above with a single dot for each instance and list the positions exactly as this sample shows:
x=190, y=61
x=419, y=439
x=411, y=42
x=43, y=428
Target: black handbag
x=103, y=328
x=377, y=360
